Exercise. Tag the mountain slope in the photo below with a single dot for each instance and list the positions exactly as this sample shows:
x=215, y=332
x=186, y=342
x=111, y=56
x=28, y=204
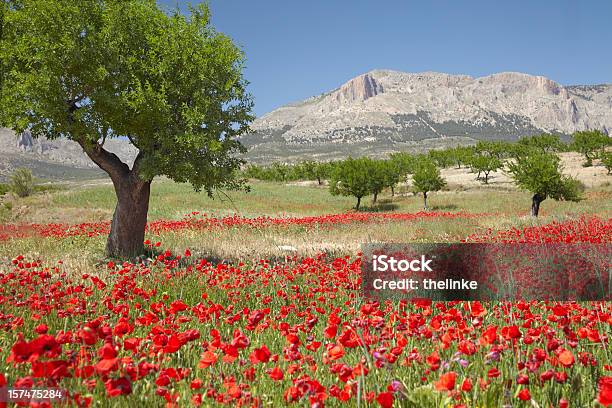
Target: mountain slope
x=54, y=159
x=384, y=111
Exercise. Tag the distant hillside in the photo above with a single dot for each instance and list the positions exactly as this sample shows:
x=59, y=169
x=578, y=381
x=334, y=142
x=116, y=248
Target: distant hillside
x=53, y=159
x=384, y=111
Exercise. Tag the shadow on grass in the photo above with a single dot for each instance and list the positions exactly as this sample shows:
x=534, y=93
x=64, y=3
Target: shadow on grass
x=443, y=207
x=380, y=206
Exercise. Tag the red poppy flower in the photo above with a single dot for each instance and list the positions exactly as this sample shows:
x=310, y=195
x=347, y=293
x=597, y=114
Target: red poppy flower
x=276, y=374
x=604, y=387
x=446, y=382
x=208, y=358
x=524, y=395
x=385, y=399
x=566, y=358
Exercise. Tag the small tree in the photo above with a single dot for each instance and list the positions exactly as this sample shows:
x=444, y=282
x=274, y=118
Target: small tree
x=351, y=177
x=322, y=171
x=590, y=143
x=546, y=142
x=404, y=162
x=427, y=178
x=606, y=160
x=280, y=172
x=312, y=170
x=379, y=178
x=442, y=158
x=462, y=155
x=540, y=173
x=484, y=164
x=22, y=182
x=393, y=175
x=496, y=148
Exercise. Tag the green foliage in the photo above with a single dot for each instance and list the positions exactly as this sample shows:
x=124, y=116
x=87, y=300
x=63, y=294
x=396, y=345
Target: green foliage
x=442, y=158
x=383, y=174
x=352, y=177
x=498, y=149
x=4, y=188
x=93, y=70
x=461, y=155
x=606, y=160
x=546, y=142
x=427, y=178
x=282, y=172
x=591, y=143
x=485, y=164
x=22, y=182
x=405, y=163
x=540, y=173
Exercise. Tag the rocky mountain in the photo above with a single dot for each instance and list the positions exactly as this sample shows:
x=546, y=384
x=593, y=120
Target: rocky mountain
x=383, y=111
x=53, y=159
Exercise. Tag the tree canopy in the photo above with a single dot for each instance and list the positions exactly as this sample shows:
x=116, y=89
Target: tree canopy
x=541, y=174
x=91, y=71
x=351, y=177
x=590, y=143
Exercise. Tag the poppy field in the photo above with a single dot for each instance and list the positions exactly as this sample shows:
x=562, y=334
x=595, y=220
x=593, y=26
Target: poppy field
x=178, y=329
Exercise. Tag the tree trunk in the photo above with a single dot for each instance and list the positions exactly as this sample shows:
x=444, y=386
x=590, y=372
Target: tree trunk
x=374, y=198
x=425, y=200
x=486, y=180
x=358, y=203
x=126, y=237
x=535, y=204
x=392, y=191
x=319, y=180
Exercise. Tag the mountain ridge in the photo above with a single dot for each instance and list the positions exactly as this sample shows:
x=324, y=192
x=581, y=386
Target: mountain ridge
x=394, y=110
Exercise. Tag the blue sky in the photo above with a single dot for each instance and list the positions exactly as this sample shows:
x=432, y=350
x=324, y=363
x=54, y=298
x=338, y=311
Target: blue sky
x=300, y=48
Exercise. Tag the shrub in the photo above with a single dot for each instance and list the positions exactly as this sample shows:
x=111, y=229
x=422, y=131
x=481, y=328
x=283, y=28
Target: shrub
x=22, y=182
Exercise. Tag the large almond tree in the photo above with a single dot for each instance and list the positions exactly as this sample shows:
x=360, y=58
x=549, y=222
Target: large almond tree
x=100, y=69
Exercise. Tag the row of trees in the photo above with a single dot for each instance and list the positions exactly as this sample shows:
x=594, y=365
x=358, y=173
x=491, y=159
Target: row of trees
x=482, y=159
x=533, y=163
x=534, y=170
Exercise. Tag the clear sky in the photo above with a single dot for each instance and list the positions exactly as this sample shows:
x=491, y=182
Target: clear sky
x=300, y=48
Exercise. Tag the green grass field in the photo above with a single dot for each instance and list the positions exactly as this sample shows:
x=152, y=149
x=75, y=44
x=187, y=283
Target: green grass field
x=94, y=202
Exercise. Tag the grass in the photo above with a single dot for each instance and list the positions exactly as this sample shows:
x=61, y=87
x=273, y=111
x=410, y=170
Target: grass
x=172, y=200
x=95, y=202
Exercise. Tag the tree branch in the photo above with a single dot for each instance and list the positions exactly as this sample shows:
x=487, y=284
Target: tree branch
x=138, y=162
x=107, y=161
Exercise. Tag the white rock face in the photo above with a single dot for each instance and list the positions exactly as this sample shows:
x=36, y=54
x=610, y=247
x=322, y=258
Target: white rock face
x=60, y=151
x=410, y=106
